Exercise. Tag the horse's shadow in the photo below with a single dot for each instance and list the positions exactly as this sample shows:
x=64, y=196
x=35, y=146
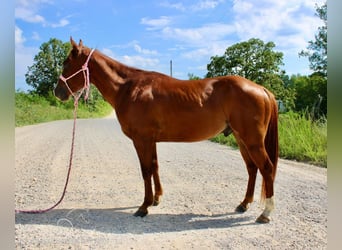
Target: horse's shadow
x=121, y=220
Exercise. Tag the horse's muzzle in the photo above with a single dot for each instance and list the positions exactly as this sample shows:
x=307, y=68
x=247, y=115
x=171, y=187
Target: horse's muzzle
x=61, y=93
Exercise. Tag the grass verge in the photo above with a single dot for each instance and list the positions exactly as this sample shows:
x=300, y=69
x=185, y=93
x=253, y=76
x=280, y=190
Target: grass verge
x=32, y=109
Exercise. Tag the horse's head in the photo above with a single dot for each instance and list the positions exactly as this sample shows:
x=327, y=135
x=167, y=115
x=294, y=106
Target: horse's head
x=73, y=76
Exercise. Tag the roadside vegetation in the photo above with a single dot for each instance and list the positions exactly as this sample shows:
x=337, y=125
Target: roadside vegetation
x=31, y=109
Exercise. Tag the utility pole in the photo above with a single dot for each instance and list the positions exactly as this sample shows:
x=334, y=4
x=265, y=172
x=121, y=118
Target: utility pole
x=171, y=68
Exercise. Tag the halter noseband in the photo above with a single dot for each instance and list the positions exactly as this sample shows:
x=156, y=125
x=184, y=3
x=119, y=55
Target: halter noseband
x=86, y=86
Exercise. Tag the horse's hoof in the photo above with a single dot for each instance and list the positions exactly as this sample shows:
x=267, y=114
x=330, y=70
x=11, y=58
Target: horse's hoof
x=156, y=203
x=262, y=219
x=140, y=213
x=241, y=209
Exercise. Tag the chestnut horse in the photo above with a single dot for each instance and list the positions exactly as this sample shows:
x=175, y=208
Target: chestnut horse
x=152, y=107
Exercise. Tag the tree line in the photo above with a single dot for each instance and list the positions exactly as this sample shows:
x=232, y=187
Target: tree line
x=253, y=59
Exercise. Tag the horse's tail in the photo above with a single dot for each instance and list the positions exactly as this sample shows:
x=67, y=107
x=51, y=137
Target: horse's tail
x=271, y=141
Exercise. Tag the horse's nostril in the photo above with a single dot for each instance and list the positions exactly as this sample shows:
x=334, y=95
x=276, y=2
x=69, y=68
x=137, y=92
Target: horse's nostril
x=61, y=94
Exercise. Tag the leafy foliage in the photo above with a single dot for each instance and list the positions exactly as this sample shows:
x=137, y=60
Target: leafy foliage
x=252, y=59
x=311, y=95
x=312, y=91
x=257, y=61
x=48, y=63
x=317, y=50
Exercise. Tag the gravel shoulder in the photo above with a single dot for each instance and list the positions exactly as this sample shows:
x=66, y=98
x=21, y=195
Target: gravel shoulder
x=203, y=183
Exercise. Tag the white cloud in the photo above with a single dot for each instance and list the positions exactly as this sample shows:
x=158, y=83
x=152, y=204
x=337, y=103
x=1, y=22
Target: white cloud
x=28, y=15
x=28, y=12
x=199, y=43
x=63, y=22
x=290, y=24
x=242, y=6
x=205, y=52
x=178, y=6
x=136, y=47
x=23, y=59
x=204, y=35
x=108, y=52
x=23, y=55
x=157, y=23
x=32, y=2
x=140, y=50
x=19, y=38
x=205, y=5
x=140, y=61
x=198, y=6
x=133, y=60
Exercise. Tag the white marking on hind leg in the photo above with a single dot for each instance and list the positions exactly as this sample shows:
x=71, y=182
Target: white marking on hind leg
x=269, y=207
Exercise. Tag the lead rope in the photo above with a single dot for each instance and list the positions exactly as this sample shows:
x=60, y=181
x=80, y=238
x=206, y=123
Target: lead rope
x=68, y=175
x=86, y=87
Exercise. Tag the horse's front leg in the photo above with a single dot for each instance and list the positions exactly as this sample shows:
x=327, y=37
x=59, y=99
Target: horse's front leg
x=146, y=152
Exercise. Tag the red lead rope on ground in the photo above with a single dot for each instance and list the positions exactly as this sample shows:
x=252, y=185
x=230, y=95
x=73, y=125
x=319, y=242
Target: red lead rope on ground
x=86, y=88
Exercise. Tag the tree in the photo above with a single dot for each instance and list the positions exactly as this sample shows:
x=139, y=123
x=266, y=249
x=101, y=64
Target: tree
x=317, y=50
x=48, y=65
x=311, y=94
x=257, y=61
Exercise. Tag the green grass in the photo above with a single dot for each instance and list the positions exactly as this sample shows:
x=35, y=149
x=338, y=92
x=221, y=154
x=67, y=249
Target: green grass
x=32, y=109
x=300, y=139
x=225, y=140
x=303, y=139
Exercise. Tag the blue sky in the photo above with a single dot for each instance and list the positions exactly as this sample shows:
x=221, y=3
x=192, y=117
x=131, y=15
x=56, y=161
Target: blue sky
x=148, y=34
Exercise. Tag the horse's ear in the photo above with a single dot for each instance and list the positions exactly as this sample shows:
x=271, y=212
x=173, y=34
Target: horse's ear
x=73, y=44
x=75, y=49
x=81, y=43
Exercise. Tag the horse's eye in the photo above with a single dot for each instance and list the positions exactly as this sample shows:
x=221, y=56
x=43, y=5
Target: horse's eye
x=65, y=64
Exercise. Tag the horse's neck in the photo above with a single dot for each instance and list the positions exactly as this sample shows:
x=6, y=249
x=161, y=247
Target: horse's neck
x=108, y=76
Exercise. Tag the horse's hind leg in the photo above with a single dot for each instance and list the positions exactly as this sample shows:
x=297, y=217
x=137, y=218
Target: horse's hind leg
x=158, y=190
x=264, y=164
x=252, y=173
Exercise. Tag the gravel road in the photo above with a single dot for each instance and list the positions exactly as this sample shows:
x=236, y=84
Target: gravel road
x=203, y=183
